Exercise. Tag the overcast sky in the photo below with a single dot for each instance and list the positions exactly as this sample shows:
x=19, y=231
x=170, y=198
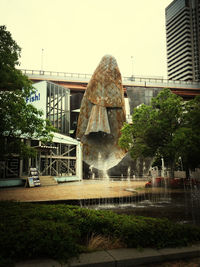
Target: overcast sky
x=76, y=34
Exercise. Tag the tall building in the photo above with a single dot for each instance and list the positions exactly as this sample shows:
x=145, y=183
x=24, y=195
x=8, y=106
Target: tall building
x=183, y=40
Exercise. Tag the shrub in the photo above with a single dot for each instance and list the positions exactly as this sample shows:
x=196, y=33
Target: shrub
x=26, y=233
x=63, y=231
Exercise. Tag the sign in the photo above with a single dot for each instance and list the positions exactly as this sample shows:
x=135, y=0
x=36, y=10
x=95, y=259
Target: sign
x=33, y=179
x=33, y=98
x=39, y=97
x=31, y=182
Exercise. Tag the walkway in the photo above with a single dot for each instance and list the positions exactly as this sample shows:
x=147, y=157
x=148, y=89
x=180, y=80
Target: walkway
x=86, y=189
x=128, y=258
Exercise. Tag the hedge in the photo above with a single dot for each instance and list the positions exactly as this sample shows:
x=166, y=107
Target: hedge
x=61, y=232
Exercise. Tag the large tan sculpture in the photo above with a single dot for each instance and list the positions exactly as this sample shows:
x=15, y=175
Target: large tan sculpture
x=102, y=115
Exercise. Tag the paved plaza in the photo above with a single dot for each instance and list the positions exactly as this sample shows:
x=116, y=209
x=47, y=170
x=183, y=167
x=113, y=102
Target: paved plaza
x=85, y=189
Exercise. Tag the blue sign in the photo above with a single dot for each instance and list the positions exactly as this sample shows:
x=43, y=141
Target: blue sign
x=33, y=98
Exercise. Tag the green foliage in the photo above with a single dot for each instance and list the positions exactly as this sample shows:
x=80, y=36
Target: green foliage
x=168, y=128
x=10, y=77
x=127, y=137
x=190, y=145
x=60, y=231
x=31, y=231
x=18, y=119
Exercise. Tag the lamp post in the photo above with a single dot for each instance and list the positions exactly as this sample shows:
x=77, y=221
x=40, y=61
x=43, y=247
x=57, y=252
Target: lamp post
x=132, y=77
x=42, y=58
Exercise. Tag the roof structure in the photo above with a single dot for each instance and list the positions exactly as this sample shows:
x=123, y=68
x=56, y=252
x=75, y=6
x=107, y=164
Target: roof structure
x=64, y=139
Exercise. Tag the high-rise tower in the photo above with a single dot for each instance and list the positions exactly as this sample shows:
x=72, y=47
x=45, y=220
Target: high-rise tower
x=183, y=40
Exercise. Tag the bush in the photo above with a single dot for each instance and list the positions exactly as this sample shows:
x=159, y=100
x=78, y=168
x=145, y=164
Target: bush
x=27, y=233
x=62, y=231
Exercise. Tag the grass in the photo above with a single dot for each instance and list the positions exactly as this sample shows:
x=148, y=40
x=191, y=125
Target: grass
x=60, y=232
x=99, y=242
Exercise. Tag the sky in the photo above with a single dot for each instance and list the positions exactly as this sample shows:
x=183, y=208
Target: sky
x=73, y=35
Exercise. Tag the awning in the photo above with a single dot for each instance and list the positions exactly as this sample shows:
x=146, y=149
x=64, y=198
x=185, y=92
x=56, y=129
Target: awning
x=64, y=139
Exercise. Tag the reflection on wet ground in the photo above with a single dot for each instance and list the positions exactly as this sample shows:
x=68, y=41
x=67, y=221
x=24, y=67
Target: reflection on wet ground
x=179, y=205
x=128, y=197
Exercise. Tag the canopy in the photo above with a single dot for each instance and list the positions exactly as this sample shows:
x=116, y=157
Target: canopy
x=64, y=139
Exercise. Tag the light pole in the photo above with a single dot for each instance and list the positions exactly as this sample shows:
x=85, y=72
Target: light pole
x=42, y=58
x=132, y=77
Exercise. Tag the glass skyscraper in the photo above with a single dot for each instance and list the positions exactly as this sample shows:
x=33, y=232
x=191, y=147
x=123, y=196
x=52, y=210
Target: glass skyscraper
x=183, y=40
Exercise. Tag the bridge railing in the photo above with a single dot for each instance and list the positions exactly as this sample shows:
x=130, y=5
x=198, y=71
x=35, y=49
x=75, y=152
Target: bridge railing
x=131, y=79
x=56, y=73
x=158, y=80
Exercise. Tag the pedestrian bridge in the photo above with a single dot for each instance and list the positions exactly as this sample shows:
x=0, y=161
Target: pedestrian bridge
x=79, y=81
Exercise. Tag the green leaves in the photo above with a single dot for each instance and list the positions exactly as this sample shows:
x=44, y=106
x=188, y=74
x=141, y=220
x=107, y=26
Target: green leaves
x=10, y=77
x=126, y=138
x=61, y=231
x=168, y=128
x=9, y=50
x=17, y=118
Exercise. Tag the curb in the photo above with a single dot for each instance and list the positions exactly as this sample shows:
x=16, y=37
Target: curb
x=120, y=258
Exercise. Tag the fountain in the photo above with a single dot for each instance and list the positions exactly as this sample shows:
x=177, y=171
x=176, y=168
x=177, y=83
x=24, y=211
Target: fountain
x=102, y=115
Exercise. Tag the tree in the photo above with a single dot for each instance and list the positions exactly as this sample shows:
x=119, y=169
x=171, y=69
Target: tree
x=10, y=77
x=17, y=118
x=161, y=129
x=188, y=138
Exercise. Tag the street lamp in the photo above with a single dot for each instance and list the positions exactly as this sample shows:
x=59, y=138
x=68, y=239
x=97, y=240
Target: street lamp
x=42, y=58
x=132, y=77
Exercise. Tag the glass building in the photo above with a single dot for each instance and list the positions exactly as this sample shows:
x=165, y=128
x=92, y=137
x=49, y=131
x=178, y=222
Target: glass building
x=58, y=107
x=54, y=101
x=183, y=40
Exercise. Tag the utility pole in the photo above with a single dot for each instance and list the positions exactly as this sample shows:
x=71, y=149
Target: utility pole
x=132, y=77
x=42, y=59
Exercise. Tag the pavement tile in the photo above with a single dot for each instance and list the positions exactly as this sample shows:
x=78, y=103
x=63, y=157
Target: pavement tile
x=39, y=263
x=132, y=257
x=180, y=253
x=68, y=191
x=97, y=259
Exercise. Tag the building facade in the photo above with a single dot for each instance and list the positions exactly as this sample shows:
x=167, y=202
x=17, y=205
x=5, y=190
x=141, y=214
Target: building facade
x=54, y=101
x=61, y=159
x=183, y=40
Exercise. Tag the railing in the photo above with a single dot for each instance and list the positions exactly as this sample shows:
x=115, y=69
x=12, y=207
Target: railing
x=130, y=80
x=56, y=73
x=159, y=80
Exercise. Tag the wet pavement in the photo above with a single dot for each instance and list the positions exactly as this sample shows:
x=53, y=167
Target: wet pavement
x=85, y=189
x=123, y=197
